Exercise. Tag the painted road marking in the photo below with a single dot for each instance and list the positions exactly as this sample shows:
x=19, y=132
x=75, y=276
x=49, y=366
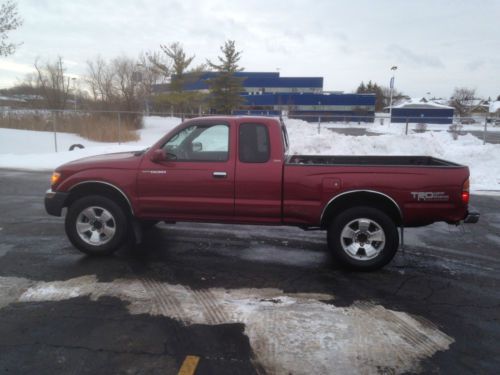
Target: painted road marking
x=189, y=365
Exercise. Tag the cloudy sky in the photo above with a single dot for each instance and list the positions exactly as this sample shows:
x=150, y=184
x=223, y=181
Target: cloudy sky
x=437, y=45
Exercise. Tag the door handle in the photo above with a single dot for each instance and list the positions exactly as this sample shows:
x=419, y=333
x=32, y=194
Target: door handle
x=219, y=174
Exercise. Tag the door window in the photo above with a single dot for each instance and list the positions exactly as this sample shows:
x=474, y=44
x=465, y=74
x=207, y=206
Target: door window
x=200, y=142
x=253, y=144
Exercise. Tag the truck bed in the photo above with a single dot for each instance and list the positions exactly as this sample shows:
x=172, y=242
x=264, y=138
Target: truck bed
x=407, y=161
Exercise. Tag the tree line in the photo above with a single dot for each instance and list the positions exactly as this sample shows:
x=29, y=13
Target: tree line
x=463, y=99
x=127, y=84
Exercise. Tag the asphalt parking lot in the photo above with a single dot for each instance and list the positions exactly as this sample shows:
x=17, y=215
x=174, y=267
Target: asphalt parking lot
x=242, y=299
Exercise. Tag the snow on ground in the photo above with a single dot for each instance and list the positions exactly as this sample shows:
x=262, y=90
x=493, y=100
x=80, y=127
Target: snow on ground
x=288, y=332
x=33, y=150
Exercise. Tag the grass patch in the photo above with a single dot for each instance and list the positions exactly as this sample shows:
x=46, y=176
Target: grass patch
x=92, y=126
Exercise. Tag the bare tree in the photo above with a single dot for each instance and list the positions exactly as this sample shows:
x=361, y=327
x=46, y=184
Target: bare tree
x=9, y=21
x=53, y=83
x=150, y=74
x=100, y=79
x=126, y=79
x=122, y=83
x=463, y=100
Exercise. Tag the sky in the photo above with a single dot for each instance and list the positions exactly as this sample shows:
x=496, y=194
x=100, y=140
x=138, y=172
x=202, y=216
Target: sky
x=436, y=45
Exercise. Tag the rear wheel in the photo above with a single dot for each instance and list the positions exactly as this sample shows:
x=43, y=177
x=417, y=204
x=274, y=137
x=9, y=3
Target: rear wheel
x=363, y=238
x=96, y=225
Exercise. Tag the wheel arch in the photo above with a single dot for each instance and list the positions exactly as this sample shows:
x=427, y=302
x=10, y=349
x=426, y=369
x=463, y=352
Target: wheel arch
x=354, y=198
x=102, y=188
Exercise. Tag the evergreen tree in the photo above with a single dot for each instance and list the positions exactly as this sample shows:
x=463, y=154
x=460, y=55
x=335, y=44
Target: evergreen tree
x=180, y=63
x=361, y=88
x=225, y=88
x=382, y=94
x=177, y=69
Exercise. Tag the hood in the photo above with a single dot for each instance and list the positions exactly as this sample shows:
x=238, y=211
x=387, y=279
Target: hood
x=119, y=160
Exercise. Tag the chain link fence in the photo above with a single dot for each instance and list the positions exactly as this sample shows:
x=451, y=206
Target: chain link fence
x=122, y=126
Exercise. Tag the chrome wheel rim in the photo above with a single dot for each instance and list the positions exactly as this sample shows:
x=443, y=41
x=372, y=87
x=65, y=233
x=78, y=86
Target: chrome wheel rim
x=362, y=239
x=96, y=226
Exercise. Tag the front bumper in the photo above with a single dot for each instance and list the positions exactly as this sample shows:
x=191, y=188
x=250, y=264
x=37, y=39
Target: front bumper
x=54, y=202
x=472, y=217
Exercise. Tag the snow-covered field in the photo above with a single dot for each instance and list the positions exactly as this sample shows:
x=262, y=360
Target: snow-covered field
x=33, y=150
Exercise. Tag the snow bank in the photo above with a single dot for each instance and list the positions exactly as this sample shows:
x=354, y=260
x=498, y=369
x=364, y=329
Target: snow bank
x=483, y=160
x=33, y=150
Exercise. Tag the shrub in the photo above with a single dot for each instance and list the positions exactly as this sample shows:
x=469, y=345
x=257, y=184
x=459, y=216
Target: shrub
x=455, y=130
x=100, y=127
x=420, y=128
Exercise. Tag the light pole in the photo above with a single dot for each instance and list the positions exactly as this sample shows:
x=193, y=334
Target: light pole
x=394, y=68
x=138, y=77
x=74, y=91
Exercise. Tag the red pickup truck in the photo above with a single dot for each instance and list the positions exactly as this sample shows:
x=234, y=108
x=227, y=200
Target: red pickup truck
x=237, y=170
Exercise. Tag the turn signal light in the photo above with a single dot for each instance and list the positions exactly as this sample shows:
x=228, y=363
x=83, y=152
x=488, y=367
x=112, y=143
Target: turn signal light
x=54, y=179
x=465, y=192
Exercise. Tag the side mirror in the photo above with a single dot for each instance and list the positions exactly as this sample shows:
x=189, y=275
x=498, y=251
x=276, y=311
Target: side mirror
x=158, y=155
x=196, y=147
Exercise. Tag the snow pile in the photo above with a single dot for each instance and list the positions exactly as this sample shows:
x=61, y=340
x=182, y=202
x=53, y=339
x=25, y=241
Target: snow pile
x=495, y=106
x=483, y=160
x=34, y=150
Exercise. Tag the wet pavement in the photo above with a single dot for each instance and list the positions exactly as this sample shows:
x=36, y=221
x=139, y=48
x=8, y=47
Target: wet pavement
x=243, y=299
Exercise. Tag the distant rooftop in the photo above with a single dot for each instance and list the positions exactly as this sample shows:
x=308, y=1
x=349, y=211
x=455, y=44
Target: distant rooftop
x=421, y=103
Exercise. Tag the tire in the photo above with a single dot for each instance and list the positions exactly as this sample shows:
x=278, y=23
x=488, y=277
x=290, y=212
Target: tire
x=76, y=145
x=363, y=238
x=96, y=225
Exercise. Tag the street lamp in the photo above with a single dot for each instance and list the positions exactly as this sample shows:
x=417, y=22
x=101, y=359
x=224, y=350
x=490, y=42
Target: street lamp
x=393, y=68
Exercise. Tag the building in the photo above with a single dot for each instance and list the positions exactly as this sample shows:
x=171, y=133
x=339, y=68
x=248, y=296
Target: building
x=494, y=108
x=267, y=93
x=422, y=110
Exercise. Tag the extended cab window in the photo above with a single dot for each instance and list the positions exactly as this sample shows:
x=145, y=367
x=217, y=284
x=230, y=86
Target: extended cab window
x=253, y=144
x=202, y=142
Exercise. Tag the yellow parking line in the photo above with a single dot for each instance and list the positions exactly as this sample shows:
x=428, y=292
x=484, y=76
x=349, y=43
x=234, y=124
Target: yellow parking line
x=189, y=365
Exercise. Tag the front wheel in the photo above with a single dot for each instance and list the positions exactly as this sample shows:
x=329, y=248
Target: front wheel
x=96, y=225
x=363, y=238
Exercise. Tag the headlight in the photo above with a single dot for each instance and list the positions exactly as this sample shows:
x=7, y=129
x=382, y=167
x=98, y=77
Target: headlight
x=54, y=179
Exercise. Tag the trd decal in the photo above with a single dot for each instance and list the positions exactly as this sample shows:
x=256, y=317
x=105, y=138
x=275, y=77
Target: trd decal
x=430, y=196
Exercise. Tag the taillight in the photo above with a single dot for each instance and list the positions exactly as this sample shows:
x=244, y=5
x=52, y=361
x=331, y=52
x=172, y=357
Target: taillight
x=465, y=192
